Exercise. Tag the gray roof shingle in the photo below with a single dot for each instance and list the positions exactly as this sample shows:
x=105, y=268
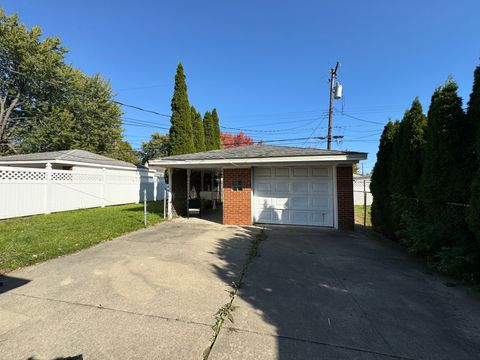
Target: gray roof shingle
x=257, y=151
x=80, y=156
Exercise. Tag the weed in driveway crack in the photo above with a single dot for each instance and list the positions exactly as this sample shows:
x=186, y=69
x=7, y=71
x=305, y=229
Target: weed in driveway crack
x=225, y=312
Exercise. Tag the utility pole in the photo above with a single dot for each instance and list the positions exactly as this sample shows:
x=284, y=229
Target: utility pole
x=333, y=76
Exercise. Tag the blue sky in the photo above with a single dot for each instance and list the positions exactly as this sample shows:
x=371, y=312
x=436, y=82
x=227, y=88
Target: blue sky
x=264, y=65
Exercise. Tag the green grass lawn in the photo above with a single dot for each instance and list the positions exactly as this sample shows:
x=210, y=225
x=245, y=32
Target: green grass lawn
x=28, y=240
x=359, y=215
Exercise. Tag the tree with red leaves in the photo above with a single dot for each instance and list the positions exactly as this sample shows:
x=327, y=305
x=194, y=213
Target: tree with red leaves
x=230, y=140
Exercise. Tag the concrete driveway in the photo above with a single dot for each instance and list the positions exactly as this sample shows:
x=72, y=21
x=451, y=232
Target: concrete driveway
x=311, y=294
x=151, y=294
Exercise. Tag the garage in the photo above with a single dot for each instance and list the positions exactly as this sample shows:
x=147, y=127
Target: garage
x=266, y=184
x=293, y=195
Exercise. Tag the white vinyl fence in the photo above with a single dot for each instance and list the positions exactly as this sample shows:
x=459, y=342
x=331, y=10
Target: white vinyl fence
x=361, y=191
x=26, y=191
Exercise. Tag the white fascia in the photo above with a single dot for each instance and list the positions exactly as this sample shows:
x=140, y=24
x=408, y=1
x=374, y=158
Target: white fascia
x=288, y=160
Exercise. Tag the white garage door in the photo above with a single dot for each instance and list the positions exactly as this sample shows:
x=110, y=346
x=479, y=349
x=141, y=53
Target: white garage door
x=293, y=195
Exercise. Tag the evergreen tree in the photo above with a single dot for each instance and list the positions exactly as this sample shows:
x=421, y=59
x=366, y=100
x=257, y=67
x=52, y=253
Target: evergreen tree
x=216, y=129
x=210, y=142
x=198, y=132
x=448, y=159
x=379, y=185
x=407, y=163
x=408, y=151
x=473, y=114
x=181, y=133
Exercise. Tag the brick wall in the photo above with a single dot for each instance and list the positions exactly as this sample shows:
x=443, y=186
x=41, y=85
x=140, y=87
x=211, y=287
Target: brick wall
x=237, y=205
x=346, y=216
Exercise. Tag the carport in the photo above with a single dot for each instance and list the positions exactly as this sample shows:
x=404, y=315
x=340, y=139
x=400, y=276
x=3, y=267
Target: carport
x=267, y=184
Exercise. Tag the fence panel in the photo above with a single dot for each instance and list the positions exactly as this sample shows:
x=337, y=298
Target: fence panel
x=25, y=191
x=359, y=188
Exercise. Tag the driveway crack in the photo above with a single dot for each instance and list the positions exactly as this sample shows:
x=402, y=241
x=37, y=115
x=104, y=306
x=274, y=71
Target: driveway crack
x=225, y=312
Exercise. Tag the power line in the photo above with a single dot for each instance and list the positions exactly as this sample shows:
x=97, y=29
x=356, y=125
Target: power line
x=360, y=119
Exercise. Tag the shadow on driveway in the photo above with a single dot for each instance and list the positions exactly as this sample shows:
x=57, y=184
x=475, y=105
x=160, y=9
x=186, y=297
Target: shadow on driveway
x=327, y=294
x=8, y=283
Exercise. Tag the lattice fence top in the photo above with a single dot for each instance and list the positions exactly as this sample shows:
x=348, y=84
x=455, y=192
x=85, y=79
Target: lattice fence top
x=7, y=174
x=62, y=176
x=14, y=174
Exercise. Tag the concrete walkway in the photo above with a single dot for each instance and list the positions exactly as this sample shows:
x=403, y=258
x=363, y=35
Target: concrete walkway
x=311, y=294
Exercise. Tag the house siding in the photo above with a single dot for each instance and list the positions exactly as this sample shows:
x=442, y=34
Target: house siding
x=237, y=205
x=346, y=216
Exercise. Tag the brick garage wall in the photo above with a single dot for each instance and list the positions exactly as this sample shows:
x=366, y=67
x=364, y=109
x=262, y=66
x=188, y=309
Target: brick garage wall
x=346, y=216
x=237, y=205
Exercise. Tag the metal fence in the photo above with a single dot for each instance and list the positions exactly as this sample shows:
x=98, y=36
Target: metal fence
x=27, y=191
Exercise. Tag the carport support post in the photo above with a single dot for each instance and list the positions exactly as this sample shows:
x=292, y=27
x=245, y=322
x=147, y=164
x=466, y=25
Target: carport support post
x=188, y=193
x=169, y=205
x=214, y=205
x=202, y=175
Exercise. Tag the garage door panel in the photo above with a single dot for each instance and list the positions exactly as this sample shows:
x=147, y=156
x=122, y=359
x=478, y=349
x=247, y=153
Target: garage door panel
x=301, y=172
x=321, y=187
x=320, y=172
x=263, y=186
x=321, y=203
x=282, y=172
x=263, y=172
x=321, y=218
x=282, y=187
x=300, y=217
x=298, y=202
x=270, y=216
x=263, y=202
x=300, y=187
x=295, y=195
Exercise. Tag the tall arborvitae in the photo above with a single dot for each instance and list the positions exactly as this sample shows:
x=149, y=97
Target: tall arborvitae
x=408, y=151
x=473, y=115
x=216, y=129
x=407, y=161
x=448, y=159
x=379, y=185
x=181, y=134
x=210, y=142
x=198, y=132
